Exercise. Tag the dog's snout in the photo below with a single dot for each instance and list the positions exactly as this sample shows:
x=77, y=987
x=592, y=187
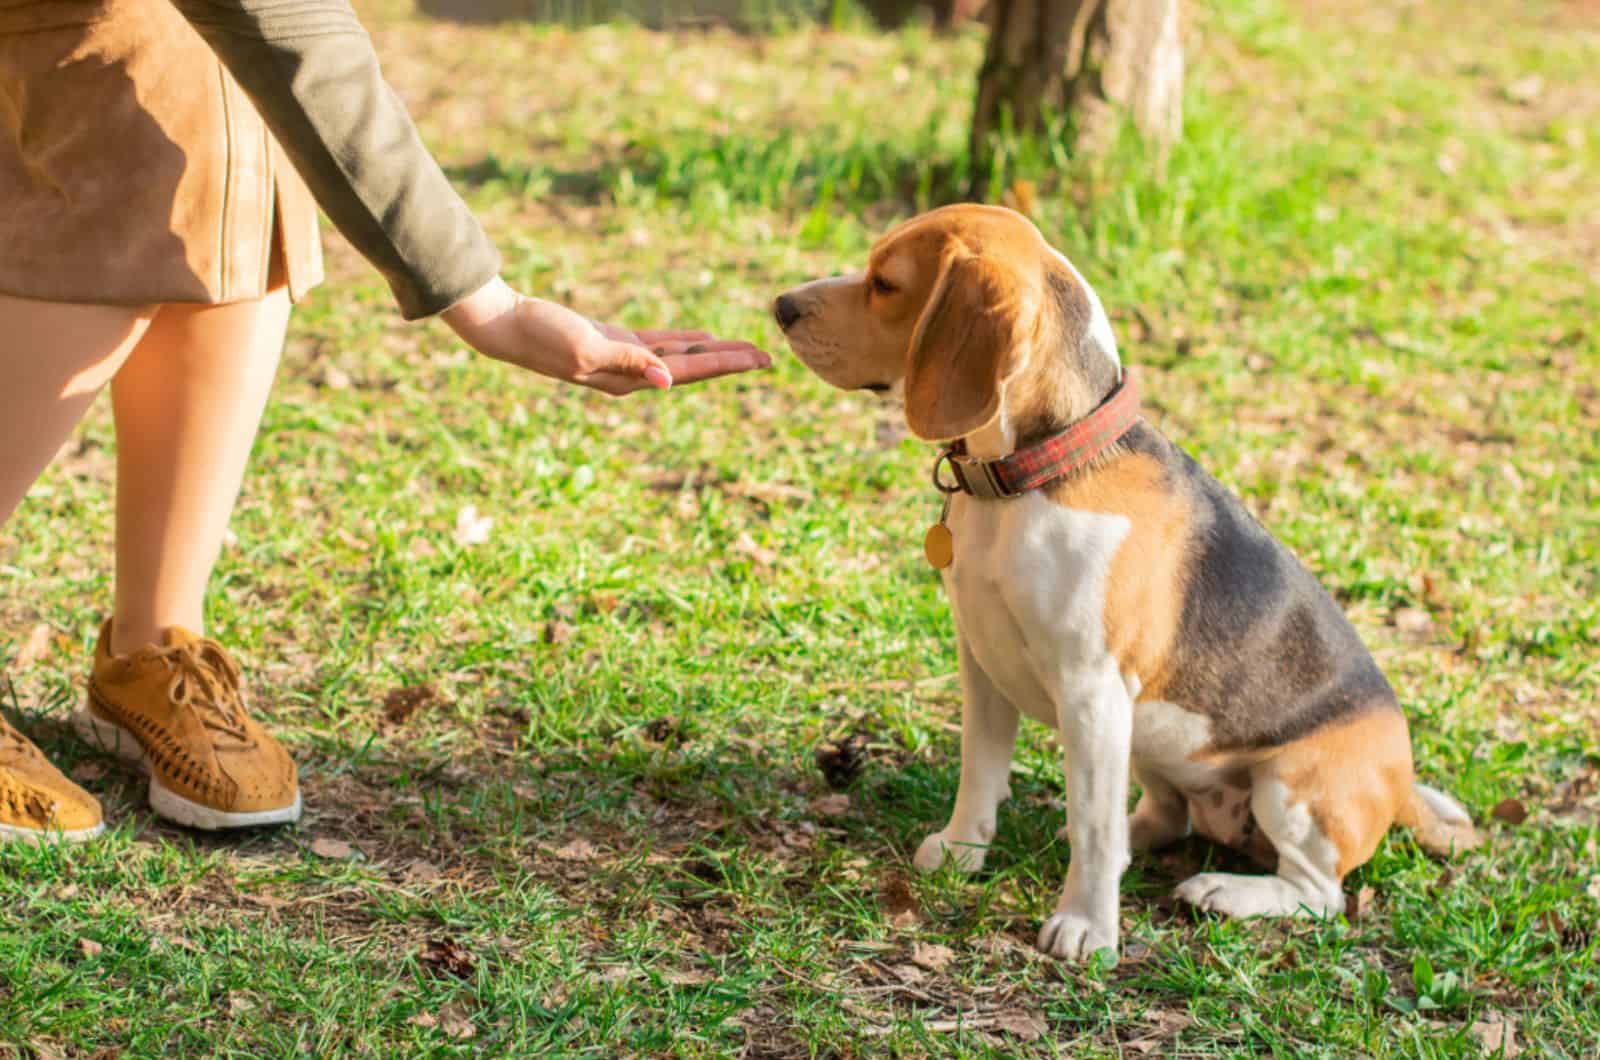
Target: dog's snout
x=786, y=311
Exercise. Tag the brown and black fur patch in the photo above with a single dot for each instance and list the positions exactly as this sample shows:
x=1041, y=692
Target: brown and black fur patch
x=1260, y=648
x=1092, y=366
x=1353, y=776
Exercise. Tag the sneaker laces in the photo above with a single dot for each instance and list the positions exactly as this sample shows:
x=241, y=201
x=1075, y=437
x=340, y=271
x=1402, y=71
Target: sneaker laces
x=207, y=679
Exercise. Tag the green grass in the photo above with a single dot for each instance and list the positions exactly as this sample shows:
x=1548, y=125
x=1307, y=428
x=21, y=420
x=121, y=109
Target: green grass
x=1364, y=294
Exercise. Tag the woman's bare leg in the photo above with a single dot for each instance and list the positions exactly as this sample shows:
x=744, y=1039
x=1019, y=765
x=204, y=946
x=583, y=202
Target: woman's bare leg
x=188, y=403
x=54, y=358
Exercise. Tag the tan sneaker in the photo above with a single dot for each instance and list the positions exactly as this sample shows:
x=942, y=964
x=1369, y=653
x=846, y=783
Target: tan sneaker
x=179, y=711
x=37, y=803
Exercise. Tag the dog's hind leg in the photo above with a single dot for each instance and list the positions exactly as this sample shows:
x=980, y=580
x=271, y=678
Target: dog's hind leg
x=988, y=736
x=1307, y=882
x=1162, y=814
x=1324, y=802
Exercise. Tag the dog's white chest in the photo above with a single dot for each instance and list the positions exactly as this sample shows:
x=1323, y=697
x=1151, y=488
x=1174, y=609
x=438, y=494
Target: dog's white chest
x=1028, y=591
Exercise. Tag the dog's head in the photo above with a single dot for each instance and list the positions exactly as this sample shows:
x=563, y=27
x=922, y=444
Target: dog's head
x=974, y=313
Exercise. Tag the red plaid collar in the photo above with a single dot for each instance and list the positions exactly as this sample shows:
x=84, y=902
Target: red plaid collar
x=1045, y=461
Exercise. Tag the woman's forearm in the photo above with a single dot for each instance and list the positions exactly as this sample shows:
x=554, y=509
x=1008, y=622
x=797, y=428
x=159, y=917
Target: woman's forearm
x=311, y=70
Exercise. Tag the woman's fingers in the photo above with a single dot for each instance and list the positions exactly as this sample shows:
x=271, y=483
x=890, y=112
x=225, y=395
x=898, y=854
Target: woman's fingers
x=717, y=359
x=628, y=361
x=673, y=347
x=685, y=368
x=614, y=384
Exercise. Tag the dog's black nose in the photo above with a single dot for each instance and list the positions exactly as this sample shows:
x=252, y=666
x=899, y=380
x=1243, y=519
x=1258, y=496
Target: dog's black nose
x=786, y=311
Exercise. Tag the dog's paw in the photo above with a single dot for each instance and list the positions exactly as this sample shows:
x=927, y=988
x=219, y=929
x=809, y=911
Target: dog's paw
x=940, y=848
x=1074, y=937
x=1247, y=896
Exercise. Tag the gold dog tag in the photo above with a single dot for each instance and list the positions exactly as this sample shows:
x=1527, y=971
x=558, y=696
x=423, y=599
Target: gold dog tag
x=939, y=546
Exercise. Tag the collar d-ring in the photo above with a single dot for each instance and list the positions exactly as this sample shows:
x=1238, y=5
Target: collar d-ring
x=946, y=456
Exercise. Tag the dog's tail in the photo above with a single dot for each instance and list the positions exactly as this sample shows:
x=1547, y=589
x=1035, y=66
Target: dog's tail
x=1441, y=824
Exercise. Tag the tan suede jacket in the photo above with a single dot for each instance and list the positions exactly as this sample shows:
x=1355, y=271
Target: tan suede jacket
x=310, y=69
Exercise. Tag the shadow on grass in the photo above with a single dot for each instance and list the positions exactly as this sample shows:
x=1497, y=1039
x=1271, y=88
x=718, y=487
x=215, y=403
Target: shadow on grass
x=747, y=16
x=695, y=824
x=817, y=169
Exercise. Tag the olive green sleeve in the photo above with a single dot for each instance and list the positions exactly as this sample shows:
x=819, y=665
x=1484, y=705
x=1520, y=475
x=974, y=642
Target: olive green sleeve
x=311, y=71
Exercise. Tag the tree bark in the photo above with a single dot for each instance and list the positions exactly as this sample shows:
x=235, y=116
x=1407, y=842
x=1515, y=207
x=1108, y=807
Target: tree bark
x=1098, y=60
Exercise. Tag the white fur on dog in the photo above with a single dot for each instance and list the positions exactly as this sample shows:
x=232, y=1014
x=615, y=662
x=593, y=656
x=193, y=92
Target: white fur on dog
x=1028, y=591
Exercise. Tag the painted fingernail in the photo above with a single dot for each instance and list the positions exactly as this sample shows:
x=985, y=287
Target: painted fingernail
x=659, y=377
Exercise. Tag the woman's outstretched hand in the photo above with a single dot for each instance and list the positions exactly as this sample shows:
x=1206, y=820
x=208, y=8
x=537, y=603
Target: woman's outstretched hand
x=552, y=340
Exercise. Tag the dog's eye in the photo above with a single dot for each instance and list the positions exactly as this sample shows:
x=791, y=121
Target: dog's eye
x=881, y=285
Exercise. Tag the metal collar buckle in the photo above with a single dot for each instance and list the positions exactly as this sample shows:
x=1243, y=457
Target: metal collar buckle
x=978, y=477
x=972, y=475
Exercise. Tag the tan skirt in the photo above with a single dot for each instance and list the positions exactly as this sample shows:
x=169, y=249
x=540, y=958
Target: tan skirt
x=133, y=169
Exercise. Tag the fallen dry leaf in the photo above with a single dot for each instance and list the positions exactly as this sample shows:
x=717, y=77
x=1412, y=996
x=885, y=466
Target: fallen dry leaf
x=998, y=945
x=447, y=957
x=1021, y=1024
x=1159, y=1036
x=662, y=730
x=841, y=761
x=578, y=850
x=895, y=896
x=421, y=871
x=769, y=491
x=36, y=647
x=1135, y=951
x=831, y=805
x=89, y=947
x=332, y=849
x=1511, y=811
x=265, y=901
x=456, y=1025
x=402, y=704
x=931, y=955
x=1497, y=1034
x=909, y=974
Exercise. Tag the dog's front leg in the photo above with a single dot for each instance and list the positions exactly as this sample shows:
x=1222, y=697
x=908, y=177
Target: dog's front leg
x=1096, y=719
x=988, y=736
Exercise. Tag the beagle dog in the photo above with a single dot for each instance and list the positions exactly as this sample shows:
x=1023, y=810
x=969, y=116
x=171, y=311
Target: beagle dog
x=1105, y=585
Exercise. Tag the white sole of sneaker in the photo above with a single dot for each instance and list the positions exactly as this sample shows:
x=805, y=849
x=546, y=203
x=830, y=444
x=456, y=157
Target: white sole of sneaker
x=114, y=740
x=40, y=837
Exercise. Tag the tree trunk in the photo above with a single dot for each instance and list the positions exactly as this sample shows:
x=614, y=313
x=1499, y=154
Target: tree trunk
x=1098, y=60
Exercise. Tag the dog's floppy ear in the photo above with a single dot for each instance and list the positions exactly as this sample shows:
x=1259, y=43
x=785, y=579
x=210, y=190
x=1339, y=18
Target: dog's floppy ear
x=963, y=347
